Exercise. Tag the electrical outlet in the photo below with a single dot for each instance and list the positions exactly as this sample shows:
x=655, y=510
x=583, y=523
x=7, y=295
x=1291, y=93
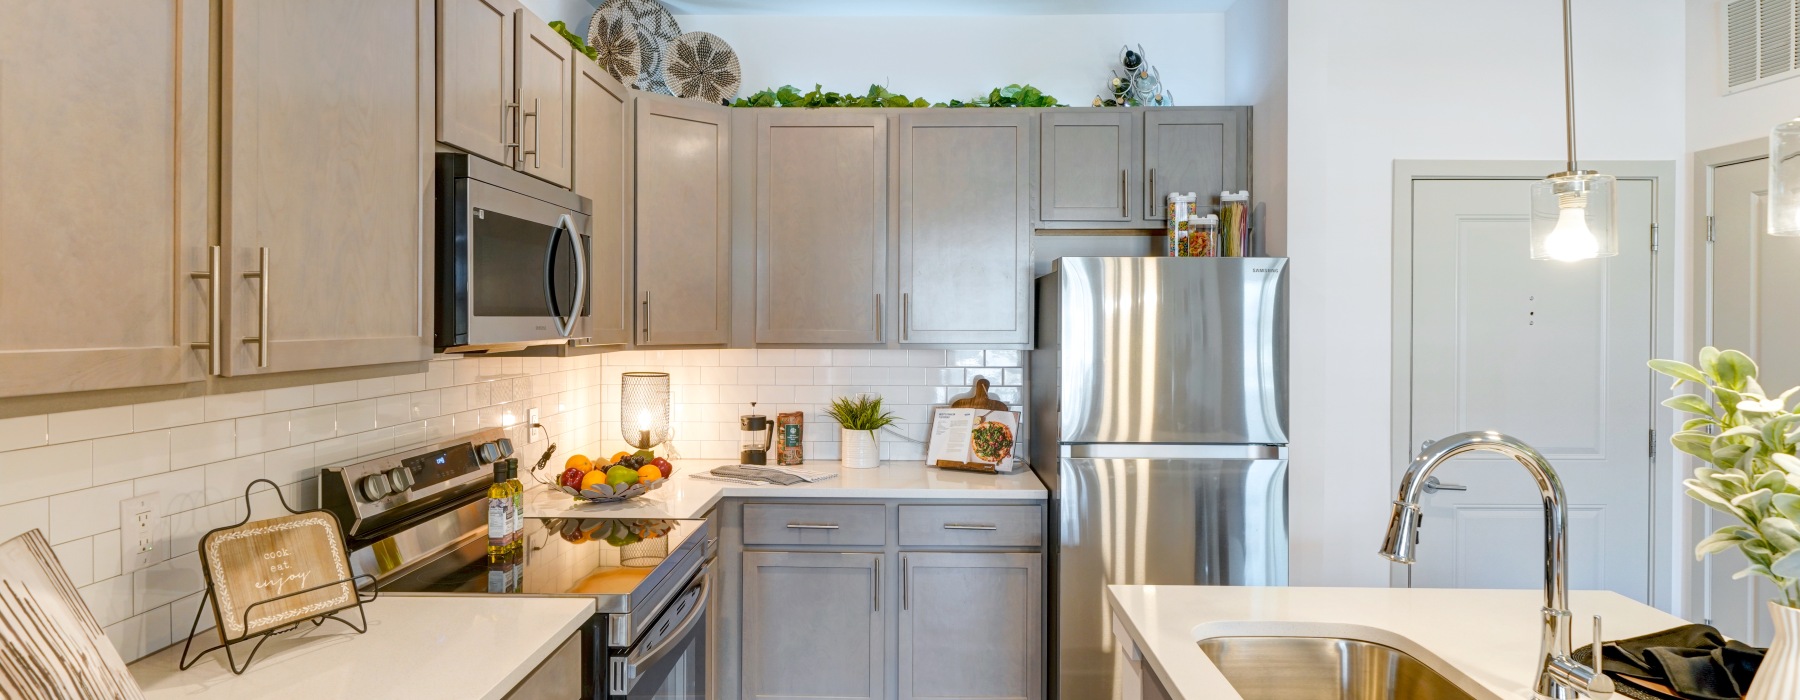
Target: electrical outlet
x=531, y=417
x=137, y=532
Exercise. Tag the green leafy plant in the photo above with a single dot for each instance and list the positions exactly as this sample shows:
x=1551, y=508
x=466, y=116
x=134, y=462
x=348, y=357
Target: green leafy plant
x=878, y=96
x=575, y=40
x=861, y=413
x=1014, y=95
x=1748, y=442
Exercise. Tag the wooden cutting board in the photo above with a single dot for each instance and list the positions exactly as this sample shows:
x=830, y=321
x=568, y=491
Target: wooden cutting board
x=267, y=559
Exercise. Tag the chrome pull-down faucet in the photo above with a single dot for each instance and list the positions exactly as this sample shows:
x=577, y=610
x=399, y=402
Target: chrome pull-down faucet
x=1559, y=676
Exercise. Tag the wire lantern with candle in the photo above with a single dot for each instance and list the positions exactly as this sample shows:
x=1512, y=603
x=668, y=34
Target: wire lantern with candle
x=644, y=409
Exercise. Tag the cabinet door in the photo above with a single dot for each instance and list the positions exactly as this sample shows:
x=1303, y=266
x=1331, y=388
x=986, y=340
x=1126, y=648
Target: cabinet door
x=103, y=194
x=600, y=175
x=965, y=231
x=972, y=626
x=475, y=77
x=1199, y=150
x=821, y=227
x=683, y=232
x=327, y=179
x=813, y=626
x=546, y=100
x=1085, y=166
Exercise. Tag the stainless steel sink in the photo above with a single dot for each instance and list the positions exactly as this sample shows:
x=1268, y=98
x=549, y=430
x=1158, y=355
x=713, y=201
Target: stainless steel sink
x=1324, y=668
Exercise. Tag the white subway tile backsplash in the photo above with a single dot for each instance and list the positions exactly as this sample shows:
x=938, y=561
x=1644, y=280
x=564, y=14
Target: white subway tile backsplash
x=755, y=376
x=164, y=583
x=356, y=417
x=374, y=388
x=287, y=399
x=108, y=599
x=20, y=518
x=191, y=445
x=226, y=480
x=312, y=424
x=1013, y=377
x=131, y=456
x=140, y=635
x=1004, y=358
x=336, y=451
x=77, y=558
x=775, y=358
x=89, y=424
x=223, y=406
x=45, y=471
x=791, y=376
x=168, y=414
x=718, y=375
x=408, y=383
x=257, y=434
x=22, y=432
x=850, y=358
x=106, y=555
x=393, y=410
x=178, y=490
x=290, y=465
x=186, y=528
x=334, y=392
x=967, y=358
x=87, y=512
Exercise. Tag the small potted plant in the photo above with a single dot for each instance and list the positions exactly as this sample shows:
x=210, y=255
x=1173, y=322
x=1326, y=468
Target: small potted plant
x=860, y=419
x=1747, y=442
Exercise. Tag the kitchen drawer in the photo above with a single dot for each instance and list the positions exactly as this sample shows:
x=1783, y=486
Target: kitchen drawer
x=972, y=526
x=810, y=524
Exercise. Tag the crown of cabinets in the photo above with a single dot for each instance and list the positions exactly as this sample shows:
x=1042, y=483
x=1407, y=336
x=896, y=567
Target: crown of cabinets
x=111, y=276
x=1108, y=169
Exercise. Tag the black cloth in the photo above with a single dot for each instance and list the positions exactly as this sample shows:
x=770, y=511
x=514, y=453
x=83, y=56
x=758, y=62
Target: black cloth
x=1694, y=660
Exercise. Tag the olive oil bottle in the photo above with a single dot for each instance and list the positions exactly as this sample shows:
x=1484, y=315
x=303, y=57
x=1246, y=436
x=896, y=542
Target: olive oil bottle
x=499, y=515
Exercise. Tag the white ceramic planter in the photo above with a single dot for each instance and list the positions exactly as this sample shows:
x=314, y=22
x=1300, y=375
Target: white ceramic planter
x=1778, y=678
x=861, y=449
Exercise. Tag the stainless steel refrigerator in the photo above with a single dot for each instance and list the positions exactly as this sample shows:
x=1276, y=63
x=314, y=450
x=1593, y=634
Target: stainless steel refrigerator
x=1159, y=422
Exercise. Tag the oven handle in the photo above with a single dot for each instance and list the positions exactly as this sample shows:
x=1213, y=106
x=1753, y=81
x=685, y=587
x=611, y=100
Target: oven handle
x=565, y=327
x=645, y=658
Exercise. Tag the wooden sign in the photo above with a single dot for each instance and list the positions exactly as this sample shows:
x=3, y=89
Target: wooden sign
x=270, y=562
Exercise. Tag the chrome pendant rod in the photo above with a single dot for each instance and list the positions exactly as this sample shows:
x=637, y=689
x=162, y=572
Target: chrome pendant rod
x=1569, y=76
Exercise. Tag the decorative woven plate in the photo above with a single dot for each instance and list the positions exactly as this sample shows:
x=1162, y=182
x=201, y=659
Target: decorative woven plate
x=701, y=66
x=632, y=38
x=602, y=493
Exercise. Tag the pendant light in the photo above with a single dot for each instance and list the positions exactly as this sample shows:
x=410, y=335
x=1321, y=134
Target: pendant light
x=1784, y=179
x=1573, y=216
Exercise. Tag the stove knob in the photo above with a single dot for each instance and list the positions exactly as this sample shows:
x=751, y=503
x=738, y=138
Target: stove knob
x=373, y=487
x=399, y=479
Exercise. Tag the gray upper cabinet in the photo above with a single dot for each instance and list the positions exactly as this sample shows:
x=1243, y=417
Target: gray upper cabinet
x=1085, y=164
x=683, y=233
x=965, y=227
x=104, y=163
x=1199, y=150
x=545, y=62
x=599, y=173
x=971, y=626
x=821, y=226
x=475, y=76
x=813, y=626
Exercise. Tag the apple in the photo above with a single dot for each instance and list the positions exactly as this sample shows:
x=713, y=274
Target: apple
x=663, y=466
x=571, y=477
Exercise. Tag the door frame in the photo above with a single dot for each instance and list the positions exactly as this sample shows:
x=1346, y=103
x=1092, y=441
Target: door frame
x=1668, y=568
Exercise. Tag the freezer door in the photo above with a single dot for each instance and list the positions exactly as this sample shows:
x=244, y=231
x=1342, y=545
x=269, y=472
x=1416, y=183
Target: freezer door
x=1172, y=350
x=1166, y=521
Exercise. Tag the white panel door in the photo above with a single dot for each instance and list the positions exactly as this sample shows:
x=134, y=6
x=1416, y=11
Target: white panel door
x=1752, y=310
x=1551, y=353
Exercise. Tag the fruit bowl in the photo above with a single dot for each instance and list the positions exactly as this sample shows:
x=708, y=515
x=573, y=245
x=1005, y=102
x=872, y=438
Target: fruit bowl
x=604, y=493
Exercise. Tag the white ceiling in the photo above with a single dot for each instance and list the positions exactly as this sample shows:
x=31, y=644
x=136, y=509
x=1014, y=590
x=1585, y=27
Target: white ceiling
x=940, y=8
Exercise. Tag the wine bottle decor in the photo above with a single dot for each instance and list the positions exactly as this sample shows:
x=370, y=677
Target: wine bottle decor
x=1139, y=86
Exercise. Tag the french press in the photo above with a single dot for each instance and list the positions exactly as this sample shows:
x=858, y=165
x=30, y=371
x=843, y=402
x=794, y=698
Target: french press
x=757, y=434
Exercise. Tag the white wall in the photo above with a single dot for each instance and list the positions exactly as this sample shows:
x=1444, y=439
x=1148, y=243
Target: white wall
x=1714, y=118
x=574, y=13
x=1374, y=81
x=1256, y=68
x=944, y=58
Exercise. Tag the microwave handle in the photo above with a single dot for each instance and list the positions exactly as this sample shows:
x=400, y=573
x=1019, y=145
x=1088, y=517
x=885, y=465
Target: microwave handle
x=566, y=327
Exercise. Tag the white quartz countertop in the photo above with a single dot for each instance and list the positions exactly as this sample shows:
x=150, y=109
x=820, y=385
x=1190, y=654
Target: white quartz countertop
x=686, y=497
x=1481, y=640
x=445, y=648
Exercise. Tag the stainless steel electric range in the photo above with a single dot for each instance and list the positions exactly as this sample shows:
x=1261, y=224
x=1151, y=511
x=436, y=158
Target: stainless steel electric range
x=417, y=521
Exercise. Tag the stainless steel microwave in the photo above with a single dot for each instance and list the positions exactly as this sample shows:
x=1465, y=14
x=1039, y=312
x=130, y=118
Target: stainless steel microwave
x=513, y=258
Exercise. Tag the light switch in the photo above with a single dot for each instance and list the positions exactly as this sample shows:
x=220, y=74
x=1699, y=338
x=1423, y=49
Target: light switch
x=137, y=536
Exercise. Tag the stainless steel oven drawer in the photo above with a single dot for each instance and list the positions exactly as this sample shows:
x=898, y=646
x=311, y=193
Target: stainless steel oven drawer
x=809, y=524
x=972, y=526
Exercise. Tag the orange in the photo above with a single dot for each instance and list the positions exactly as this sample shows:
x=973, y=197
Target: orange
x=579, y=461
x=649, y=473
x=592, y=479
x=618, y=456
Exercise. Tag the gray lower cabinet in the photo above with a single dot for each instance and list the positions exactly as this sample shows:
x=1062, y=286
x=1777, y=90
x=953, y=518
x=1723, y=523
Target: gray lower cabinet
x=813, y=626
x=965, y=227
x=683, y=229
x=971, y=625
x=821, y=226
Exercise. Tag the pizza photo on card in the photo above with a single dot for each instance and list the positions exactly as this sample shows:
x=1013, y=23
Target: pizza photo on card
x=990, y=441
x=974, y=439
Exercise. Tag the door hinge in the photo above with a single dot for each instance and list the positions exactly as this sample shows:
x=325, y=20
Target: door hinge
x=1709, y=228
x=1655, y=243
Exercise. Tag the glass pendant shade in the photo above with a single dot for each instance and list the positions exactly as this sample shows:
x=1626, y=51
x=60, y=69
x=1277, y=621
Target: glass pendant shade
x=1574, y=216
x=1784, y=179
x=644, y=409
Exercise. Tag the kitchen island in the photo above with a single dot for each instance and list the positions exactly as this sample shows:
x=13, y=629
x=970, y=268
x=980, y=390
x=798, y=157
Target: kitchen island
x=1483, y=641
x=444, y=648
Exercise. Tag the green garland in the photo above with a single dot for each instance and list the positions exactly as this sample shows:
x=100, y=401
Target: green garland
x=575, y=41
x=789, y=96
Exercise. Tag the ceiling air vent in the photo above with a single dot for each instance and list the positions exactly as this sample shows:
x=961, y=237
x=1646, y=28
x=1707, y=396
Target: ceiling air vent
x=1762, y=42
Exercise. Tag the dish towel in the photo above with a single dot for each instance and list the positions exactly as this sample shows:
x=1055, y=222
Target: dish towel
x=1690, y=662
x=780, y=476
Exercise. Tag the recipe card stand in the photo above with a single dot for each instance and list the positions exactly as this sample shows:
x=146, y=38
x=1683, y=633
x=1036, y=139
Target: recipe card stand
x=285, y=534
x=977, y=399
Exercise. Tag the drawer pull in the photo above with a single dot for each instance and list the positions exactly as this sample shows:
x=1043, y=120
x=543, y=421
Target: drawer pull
x=955, y=526
x=812, y=526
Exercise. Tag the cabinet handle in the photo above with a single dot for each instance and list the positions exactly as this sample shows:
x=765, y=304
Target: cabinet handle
x=905, y=315
x=956, y=526
x=646, y=317
x=1150, y=211
x=876, y=581
x=211, y=345
x=1124, y=195
x=905, y=584
x=507, y=124
x=812, y=526
x=537, y=141
x=880, y=333
x=262, y=303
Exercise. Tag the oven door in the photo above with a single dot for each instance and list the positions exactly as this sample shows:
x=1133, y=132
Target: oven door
x=669, y=661
x=526, y=269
